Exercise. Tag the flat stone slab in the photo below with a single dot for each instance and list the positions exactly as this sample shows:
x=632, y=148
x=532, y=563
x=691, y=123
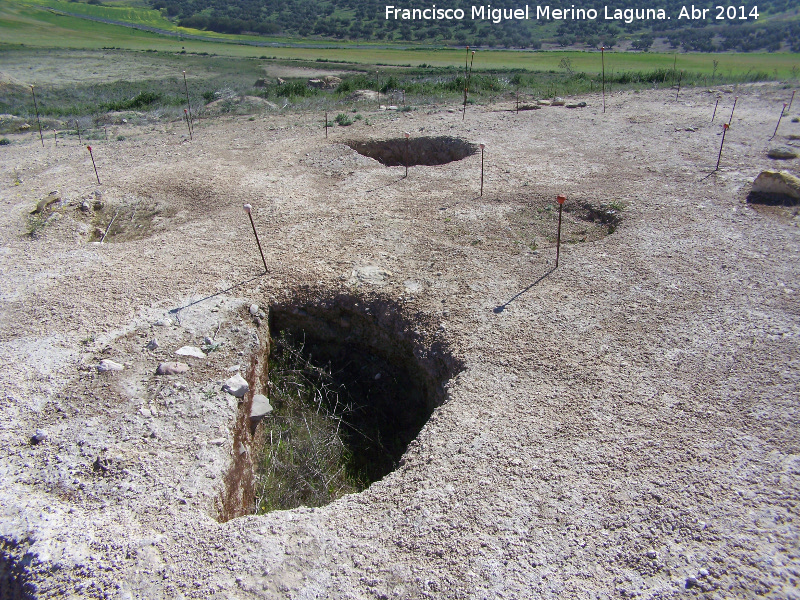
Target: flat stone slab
x=261, y=407
x=782, y=153
x=172, y=368
x=774, y=182
x=371, y=274
x=192, y=351
x=107, y=365
x=236, y=386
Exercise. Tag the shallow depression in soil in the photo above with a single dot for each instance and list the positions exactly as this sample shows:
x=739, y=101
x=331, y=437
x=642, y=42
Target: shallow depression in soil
x=417, y=151
x=351, y=383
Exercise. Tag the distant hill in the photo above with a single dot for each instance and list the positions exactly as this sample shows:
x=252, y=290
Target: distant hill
x=777, y=27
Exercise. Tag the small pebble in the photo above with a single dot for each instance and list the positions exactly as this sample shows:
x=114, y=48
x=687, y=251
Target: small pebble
x=254, y=309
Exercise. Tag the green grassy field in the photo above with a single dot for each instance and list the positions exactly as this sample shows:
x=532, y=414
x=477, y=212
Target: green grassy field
x=30, y=24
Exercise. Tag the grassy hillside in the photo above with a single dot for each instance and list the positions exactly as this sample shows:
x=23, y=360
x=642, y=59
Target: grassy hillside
x=772, y=26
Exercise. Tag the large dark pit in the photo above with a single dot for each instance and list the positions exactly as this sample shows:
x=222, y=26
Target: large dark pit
x=387, y=379
x=420, y=151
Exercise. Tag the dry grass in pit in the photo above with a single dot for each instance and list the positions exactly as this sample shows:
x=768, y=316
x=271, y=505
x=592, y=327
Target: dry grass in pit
x=302, y=459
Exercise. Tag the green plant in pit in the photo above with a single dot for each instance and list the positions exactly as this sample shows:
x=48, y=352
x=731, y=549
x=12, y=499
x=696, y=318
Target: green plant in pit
x=4, y=141
x=303, y=459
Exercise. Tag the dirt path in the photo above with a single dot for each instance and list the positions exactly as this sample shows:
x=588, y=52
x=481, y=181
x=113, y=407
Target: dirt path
x=625, y=426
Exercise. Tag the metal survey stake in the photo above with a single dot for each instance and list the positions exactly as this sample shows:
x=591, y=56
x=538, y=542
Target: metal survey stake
x=326, y=125
x=482, y=147
x=735, y=99
x=36, y=108
x=407, y=143
x=714, y=114
x=724, y=131
x=603, y=59
x=186, y=116
x=93, y=164
x=248, y=209
x=466, y=88
x=561, y=199
x=790, y=102
x=186, y=87
x=779, y=121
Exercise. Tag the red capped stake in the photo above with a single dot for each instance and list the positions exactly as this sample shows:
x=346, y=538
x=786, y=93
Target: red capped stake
x=93, y=164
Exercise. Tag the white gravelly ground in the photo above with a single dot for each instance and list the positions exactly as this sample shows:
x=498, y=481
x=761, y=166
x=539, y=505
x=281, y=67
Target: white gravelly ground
x=626, y=427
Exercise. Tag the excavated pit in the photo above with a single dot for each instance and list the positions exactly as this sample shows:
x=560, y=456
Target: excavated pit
x=387, y=379
x=419, y=151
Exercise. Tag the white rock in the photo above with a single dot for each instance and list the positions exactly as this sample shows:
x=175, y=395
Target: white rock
x=782, y=152
x=109, y=365
x=261, y=407
x=172, y=368
x=369, y=274
x=192, y=351
x=254, y=309
x=236, y=386
x=164, y=322
x=40, y=435
x=773, y=182
x=217, y=441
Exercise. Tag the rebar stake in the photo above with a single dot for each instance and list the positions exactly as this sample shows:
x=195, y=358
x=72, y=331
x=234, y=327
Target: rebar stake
x=248, y=209
x=186, y=87
x=603, y=59
x=36, y=108
x=561, y=199
x=482, y=147
x=779, y=121
x=735, y=99
x=188, y=126
x=93, y=164
x=714, y=114
x=407, y=144
x=724, y=131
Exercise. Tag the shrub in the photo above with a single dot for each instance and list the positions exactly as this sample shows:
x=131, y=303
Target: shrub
x=343, y=120
x=139, y=101
x=4, y=141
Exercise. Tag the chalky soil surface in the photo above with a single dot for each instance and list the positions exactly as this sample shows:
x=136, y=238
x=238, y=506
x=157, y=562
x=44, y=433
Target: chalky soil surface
x=624, y=426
